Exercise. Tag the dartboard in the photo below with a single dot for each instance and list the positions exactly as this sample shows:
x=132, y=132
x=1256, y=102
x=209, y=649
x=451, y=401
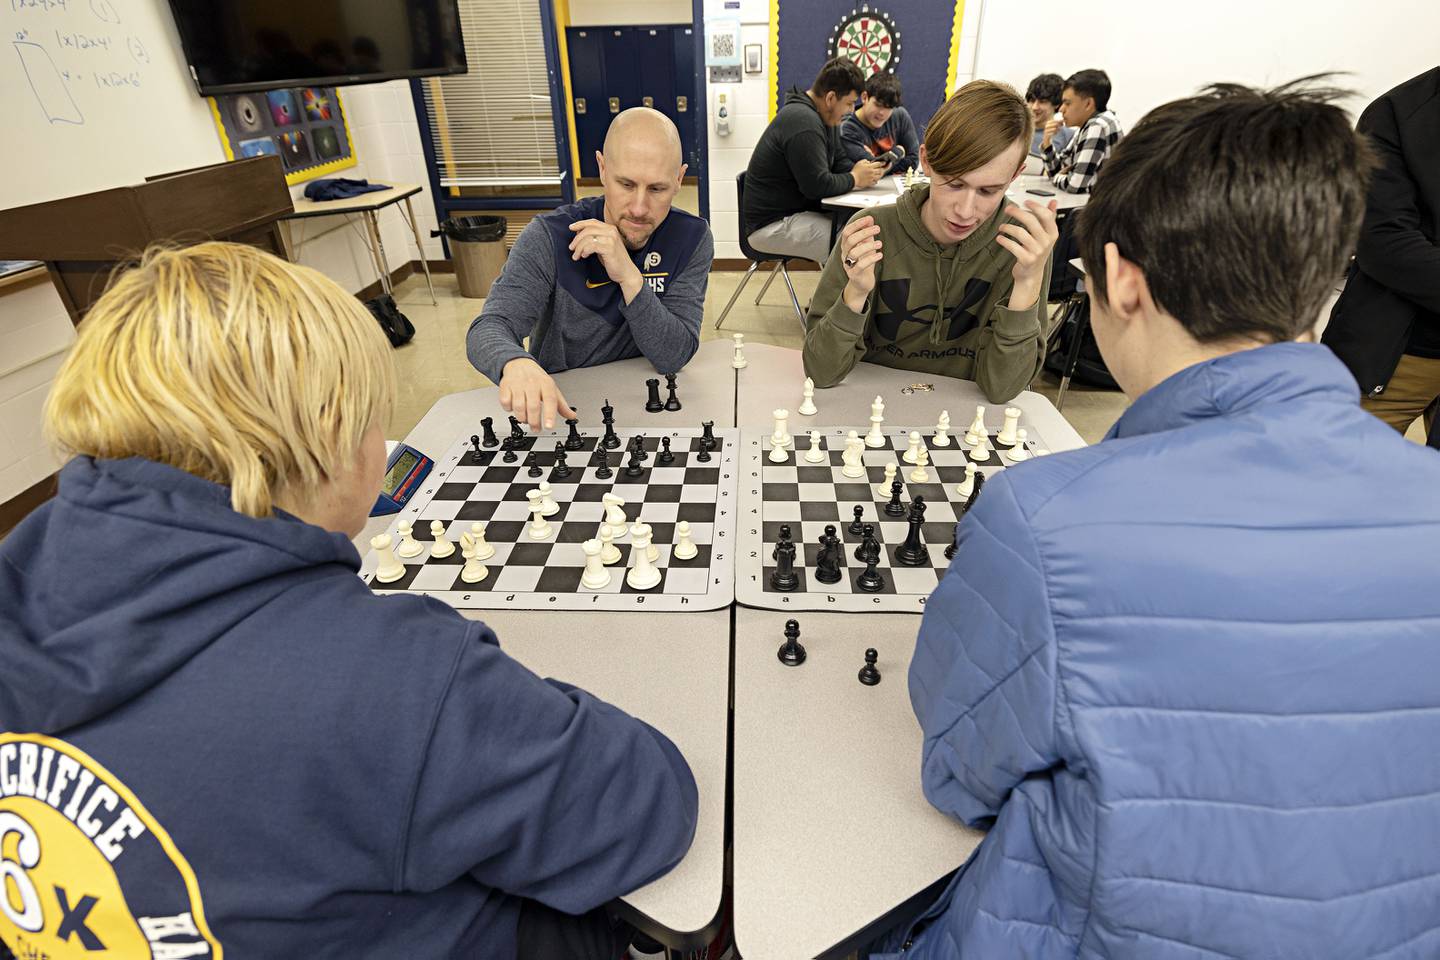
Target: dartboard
x=869, y=38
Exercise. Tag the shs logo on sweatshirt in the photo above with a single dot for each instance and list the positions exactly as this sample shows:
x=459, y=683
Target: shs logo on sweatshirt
x=85, y=871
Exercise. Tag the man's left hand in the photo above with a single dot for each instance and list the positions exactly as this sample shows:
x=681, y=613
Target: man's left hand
x=596, y=238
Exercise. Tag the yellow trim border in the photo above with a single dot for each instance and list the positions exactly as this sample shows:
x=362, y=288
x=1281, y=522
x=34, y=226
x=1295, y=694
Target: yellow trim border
x=309, y=173
x=562, y=20
x=774, y=57
x=954, y=67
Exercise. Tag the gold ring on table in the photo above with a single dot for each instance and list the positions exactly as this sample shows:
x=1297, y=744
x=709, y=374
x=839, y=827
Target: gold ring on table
x=851, y=261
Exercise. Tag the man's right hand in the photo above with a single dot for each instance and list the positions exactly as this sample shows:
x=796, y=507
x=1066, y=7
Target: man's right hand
x=1052, y=126
x=867, y=173
x=860, y=251
x=530, y=393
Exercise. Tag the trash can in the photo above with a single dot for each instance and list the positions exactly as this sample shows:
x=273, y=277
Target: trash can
x=477, y=248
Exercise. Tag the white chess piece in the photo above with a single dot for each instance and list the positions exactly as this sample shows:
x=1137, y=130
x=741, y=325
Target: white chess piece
x=920, y=474
x=685, y=548
x=643, y=533
x=942, y=430
x=816, y=453
x=483, y=550
x=1018, y=452
x=387, y=568
x=981, y=453
x=1012, y=420
x=890, y=470
x=548, y=506
x=642, y=574
x=474, y=571
x=615, y=513
x=739, y=363
x=777, y=453
x=443, y=547
x=781, y=435
x=967, y=486
x=976, y=433
x=807, y=399
x=409, y=546
x=595, y=577
x=609, y=553
x=912, y=453
x=539, y=526
x=853, y=457
x=876, y=436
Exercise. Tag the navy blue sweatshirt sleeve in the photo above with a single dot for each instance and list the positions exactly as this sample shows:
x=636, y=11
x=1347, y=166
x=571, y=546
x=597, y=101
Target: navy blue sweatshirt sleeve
x=539, y=789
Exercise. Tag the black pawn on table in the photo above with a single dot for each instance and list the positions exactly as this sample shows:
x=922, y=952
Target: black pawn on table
x=611, y=440
x=784, y=578
x=868, y=674
x=870, y=580
x=895, y=508
x=534, y=470
x=475, y=442
x=517, y=432
x=857, y=526
x=633, y=468
x=508, y=445
x=827, y=564
x=574, y=441
x=672, y=403
x=869, y=548
x=791, y=653
x=652, y=402
x=707, y=435
x=665, y=455
x=488, y=425
x=562, y=469
x=640, y=448
x=603, y=472
x=912, y=552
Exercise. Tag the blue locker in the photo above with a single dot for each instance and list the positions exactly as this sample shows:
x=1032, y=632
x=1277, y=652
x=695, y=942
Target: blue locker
x=689, y=105
x=587, y=82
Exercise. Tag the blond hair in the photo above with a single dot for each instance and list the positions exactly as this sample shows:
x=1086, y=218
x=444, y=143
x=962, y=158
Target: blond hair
x=979, y=122
x=230, y=364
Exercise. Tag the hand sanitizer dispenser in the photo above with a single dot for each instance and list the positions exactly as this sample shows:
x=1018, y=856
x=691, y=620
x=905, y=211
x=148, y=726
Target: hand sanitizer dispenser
x=724, y=109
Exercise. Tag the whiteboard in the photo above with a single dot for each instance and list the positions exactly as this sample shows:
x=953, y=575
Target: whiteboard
x=95, y=94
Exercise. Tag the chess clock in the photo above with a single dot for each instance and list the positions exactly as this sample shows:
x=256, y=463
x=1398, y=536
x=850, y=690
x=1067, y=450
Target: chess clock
x=405, y=467
x=869, y=38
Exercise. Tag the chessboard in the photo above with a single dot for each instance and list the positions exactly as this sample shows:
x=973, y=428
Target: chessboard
x=808, y=497
x=466, y=486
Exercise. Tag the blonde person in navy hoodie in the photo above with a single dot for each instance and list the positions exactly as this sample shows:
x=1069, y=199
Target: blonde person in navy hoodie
x=213, y=736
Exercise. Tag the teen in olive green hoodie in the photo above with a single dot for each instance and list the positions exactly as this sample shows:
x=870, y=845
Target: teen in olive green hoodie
x=932, y=289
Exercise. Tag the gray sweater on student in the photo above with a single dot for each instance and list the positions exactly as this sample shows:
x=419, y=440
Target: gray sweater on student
x=576, y=316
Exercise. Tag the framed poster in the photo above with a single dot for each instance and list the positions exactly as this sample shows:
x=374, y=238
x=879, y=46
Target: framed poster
x=304, y=126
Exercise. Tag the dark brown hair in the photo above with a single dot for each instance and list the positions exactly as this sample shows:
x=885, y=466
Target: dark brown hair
x=840, y=77
x=884, y=89
x=1091, y=83
x=977, y=124
x=1240, y=205
x=1046, y=87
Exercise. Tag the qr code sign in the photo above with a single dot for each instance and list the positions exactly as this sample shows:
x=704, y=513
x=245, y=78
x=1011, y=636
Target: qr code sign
x=722, y=45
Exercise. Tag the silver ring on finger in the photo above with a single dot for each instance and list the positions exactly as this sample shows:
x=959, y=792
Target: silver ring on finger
x=851, y=261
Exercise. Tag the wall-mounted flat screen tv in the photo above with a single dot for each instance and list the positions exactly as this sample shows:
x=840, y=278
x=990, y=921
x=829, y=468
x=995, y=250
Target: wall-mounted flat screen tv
x=235, y=46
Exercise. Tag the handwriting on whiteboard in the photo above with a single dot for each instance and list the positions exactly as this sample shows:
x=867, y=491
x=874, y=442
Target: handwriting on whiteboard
x=67, y=48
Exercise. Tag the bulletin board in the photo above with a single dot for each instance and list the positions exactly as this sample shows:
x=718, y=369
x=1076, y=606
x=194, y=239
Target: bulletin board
x=304, y=126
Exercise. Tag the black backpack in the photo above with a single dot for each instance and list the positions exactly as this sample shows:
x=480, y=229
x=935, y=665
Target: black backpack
x=396, y=325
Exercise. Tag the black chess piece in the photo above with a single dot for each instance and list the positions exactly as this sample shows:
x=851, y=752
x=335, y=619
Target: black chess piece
x=704, y=455
x=857, y=527
x=475, y=442
x=784, y=579
x=912, y=553
x=516, y=431
x=868, y=674
x=672, y=403
x=827, y=564
x=603, y=472
x=574, y=441
x=870, y=580
x=665, y=455
x=611, y=440
x=640, y=448
x=633, y=468
x=791, y=653
x=895, y=508
x=488, y=425
x=869, y=548
x=534, y=470
x=969, y=502
x=707, y=435
x=508, y=445
x=562, y=469
x=652, y=402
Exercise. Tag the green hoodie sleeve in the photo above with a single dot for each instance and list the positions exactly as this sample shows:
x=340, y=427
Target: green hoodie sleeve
x=1011, y=347
x=834, y=334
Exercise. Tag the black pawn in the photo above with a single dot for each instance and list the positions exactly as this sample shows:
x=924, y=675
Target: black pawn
x=534, y=470
x=912, y=553
x=791, y=653
x=611, y=440
x=508, y=445
x=870, y=580
x=574, y=441
x=969, y=502
x=603, y=472
x=475, y=442
x=868, y=674
x=857, y=527
x=827, y=565
x=869, y=548
x=784, y=579
x=652, y=403
x=562, y=469
x=707, y=435
x=488, y=425
x=640, y=448
x=665, y=455
x=516, y=431
x=895, y=508
x=672, y=403
x=633, y=468
x=704, y=455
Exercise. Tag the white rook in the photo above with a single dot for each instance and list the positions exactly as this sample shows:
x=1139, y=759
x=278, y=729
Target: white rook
x=595, y=576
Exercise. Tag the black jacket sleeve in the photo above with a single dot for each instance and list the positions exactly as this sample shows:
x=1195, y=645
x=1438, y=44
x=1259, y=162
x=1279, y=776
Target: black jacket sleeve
x=1393, y=249
x=810, y=156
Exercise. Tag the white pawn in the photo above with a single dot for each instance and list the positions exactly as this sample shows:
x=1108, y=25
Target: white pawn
x=642, y=574
x=483, y=550
x=685, y=548
x=853, y=457
x=976, y=433
x=981, y=453
x=614, y=513
x=474, y=571
x=443, y=547
x=1012, y=420
x=920, y=474
x=942, y=430
x=1018, y=452
x=815, y=454
x=807, y=399
x=739, y=363
x=912, y=453
x=595, y=576
x=387, y=568
x=642, y=533
x=539, y=526
x=548, y=506
x=890, y=470
x=609, y=553
x=967, y=486
x=777, y=453
x=409, y=546
x=876, y=437
x=781, y=435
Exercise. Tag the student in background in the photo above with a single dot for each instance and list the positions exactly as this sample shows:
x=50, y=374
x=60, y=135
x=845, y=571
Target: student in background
x=1043, y=98
x=880, y=124
x=799, y=161
x=1084, y=103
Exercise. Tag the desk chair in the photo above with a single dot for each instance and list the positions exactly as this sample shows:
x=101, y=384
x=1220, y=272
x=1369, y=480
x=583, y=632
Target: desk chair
x=756, y=258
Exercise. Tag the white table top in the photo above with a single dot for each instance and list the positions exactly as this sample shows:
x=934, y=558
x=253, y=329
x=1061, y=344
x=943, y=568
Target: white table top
x=884, y=193
x=374, y=200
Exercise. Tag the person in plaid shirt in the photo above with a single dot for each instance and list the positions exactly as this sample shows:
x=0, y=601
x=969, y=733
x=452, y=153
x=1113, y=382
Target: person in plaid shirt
x=1085, y=104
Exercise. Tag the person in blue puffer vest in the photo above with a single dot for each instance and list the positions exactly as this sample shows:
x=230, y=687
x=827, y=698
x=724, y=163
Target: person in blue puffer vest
x=214, y=736
x=1189, y=677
